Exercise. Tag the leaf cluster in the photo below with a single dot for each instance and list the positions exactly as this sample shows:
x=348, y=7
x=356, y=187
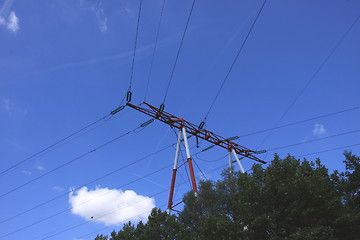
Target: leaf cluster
x=289, y=199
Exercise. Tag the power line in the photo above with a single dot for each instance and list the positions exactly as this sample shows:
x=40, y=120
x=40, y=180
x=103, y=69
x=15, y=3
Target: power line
x=155, y=47
x=312, y=77
x=71, y=161
x=108, y=213
x=202, y=173
x=282, y=126
x=302, y=121
x=178, y=53
x=68, y=209
x=22, y=162
x=83, y=185
x=235, y=59
x=135, y=44
x=314, y=140
x=329, y=150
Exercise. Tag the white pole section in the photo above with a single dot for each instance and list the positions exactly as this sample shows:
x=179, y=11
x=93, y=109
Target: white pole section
x=177, y=151
x=238, y=161
x=186, y=143
x=230, y=161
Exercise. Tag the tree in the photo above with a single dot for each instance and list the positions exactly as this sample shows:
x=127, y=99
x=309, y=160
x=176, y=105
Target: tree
x=290, y=199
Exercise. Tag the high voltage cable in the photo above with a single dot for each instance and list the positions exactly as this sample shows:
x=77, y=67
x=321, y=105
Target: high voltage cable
x=88, y=221
x=302, y=121
x=313, y=77
x=155, y=47
x=68, y=209
x=134, y=53
x=202, y=173
x=20, y=163
x=235, y=59
x=283, y=126
x=314, y=140
x=83, y=185
x=178, y=53
x=329, y=150
x=71, y=161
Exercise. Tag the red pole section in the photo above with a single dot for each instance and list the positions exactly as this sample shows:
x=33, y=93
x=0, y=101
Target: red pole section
x=192, y=175
x=172, y=186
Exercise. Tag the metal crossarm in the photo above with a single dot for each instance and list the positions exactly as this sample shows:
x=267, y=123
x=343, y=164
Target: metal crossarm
x=193, y=130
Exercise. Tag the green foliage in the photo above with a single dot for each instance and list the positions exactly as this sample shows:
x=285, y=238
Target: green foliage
x=290, y=199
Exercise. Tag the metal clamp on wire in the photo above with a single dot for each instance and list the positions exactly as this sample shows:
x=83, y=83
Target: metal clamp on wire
x=117, y=110
x=260, y=152
x=128, y=96
x=147, y=123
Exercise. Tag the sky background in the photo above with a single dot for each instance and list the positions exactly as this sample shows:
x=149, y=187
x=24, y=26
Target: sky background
x=67, y=63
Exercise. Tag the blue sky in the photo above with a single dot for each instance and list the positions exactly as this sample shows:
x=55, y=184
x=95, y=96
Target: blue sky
x=66, y=63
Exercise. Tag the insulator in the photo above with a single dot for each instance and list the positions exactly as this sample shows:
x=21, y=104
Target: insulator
x=117, y=110
x=260, y=152
x=147, y=122
x=201, y=125
x=161, y=109
x=187, y=138
x=205, y=149
x=233, y=138
x=128, y=96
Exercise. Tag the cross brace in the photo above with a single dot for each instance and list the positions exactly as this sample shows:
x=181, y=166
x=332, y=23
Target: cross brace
x=192, y=129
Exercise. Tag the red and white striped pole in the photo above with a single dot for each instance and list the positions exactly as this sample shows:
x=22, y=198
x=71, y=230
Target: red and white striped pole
x=173, y=177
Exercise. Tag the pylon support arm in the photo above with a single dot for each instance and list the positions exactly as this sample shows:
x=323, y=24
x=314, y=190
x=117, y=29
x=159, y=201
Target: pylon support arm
x=192, y=129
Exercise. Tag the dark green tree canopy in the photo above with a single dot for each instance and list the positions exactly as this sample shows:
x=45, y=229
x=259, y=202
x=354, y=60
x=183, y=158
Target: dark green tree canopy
x=289, y=199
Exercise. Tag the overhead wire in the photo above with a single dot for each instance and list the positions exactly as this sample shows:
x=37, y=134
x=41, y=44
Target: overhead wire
x=135, y=44
x=83, y=185
x=48, y=148
x=108, y=213
x=69, y=162
x=155, y=48
x=329, y=150
x=313, y=140
x=326, y=59
x=302, y=121
x=65, y=210
x=234, y=61
x=70, y=208
x=178, y=52
x=202, y=173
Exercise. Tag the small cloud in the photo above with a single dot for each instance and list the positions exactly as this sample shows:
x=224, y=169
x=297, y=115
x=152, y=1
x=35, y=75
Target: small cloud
x=9, y=20
x=319, y=130
x=110, y=206
x=57, y=189
x=13, y=22
x=26, y=172
x=7, y=104
x=98, y=10
x=40, y=168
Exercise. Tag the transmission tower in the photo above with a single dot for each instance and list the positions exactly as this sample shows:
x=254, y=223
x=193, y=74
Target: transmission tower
x=185, y=128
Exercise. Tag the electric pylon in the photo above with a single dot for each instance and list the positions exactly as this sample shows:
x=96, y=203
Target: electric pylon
x=185, y=127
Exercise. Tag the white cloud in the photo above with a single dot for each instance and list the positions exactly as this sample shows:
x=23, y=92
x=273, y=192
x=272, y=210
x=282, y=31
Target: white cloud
x=40, y=168
x=319, y=130
x=110, y=206
x=98, y=10
x=13, y=22
x=57, y=188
